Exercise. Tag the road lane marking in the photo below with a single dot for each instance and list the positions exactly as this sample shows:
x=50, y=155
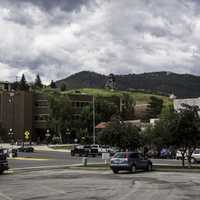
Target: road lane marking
x=27, y=158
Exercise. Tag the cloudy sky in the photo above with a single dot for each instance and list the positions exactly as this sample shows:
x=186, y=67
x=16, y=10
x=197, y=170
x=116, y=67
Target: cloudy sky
x=59, y=37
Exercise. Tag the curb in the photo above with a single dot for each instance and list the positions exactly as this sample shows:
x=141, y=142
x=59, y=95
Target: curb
x=89, y=167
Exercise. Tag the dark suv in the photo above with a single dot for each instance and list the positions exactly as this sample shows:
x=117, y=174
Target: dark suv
x=3, y=161
x=130, y=161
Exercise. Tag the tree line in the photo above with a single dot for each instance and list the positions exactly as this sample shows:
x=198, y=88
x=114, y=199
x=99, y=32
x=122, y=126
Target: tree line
x=23, y=85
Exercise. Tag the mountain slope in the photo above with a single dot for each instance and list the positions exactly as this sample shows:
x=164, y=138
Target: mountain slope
x=182, y=85
x=84, y=79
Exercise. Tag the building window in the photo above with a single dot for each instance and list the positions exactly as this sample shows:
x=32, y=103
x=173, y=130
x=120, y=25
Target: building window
x=44, y=117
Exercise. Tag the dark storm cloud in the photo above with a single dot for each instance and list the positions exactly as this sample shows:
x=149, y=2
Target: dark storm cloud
x=48, y=5
x=60, y=37
x=56, y=10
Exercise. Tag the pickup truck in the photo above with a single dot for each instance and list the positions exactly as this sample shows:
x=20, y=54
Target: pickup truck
x=3, y=161
x=84, y=150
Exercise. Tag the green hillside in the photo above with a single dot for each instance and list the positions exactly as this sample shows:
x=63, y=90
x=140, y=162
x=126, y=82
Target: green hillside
x=163, y=83
x=140, y=97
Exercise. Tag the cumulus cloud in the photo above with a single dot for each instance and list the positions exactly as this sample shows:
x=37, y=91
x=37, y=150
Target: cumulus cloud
x=57, y=37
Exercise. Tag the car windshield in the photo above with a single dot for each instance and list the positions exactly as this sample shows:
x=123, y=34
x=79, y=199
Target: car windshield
x=94, y=146
x=197, y=151
x=120, y=155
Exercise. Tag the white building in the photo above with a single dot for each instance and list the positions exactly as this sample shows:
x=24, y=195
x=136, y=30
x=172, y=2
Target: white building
x=178, y=103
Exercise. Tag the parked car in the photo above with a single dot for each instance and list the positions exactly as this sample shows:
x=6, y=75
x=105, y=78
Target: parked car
x=195, y=158
x=152, y=153
x=12, y=151
x=179, y=155
x=165, y=153
x=113, y=150
x=3, y=161
x=129, y=161
x=84, y=150
x=26, y=149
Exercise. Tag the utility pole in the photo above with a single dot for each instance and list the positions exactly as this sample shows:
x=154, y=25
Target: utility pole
x=94, y=137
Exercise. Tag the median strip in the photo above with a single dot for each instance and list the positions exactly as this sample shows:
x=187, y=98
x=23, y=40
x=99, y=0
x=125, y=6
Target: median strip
x=29, y=158
x=105, y=167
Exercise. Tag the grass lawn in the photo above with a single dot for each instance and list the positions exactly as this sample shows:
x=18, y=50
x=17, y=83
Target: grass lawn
x=101, y=166
x=140, y=97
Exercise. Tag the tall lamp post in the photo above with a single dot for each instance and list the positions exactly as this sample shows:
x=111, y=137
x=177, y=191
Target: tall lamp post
x=47, y=136
x=94, y=134
x=68, y=134
x=11, y=136
x=11, y=101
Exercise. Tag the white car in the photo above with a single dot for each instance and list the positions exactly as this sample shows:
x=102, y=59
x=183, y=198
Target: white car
x=179, y=155
x=194, y=158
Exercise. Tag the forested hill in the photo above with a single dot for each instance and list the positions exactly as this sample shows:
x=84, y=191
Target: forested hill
x=182, y=85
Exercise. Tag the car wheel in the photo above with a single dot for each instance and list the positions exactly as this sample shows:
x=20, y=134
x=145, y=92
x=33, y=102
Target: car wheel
x=149, y=167
x=193, y=160
x=1, y=171
x=115, y=171
x=133, y=169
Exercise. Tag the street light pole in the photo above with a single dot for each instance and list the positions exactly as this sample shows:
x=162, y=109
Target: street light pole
x=11, y=101
x=11, y=134
x=47, y=136
x=94, y=134
x=68, y=134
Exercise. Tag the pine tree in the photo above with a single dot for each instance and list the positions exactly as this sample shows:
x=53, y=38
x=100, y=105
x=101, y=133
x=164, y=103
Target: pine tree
x=23, y=84
x=63, y=87
x=38, y=82
x=52, y=84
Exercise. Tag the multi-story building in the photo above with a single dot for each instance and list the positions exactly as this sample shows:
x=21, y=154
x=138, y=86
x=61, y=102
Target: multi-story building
x=22, y=111
x=16, y=112
x=178, y=103
x=5, y=86
x=78, y=102
x=41, y=111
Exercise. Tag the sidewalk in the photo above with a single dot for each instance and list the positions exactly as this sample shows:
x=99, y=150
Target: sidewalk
x=48, y=148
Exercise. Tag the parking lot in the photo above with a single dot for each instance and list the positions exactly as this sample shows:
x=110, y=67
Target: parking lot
x=95, y=185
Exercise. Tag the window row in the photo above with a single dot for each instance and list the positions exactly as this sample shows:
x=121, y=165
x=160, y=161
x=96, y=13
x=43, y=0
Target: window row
x=78, y=104
x=41, y=117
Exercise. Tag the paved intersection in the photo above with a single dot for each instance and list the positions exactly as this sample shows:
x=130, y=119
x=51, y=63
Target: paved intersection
x=94, y=185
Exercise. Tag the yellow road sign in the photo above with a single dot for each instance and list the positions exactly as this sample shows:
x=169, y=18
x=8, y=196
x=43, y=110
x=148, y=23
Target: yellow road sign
x=27, y=135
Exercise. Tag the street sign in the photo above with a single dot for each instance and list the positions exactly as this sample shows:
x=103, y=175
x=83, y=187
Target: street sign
x=105, y=156
x=27, y=135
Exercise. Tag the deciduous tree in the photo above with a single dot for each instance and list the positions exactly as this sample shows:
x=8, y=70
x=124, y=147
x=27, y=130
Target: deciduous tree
x=155, y=107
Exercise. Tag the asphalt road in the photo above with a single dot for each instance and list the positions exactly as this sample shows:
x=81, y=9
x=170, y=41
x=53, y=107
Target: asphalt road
x=93, y=185
x=52, y=158
x=47, y=158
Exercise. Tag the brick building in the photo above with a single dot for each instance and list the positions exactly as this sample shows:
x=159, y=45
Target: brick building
x=29, y=111
x=16, y=112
